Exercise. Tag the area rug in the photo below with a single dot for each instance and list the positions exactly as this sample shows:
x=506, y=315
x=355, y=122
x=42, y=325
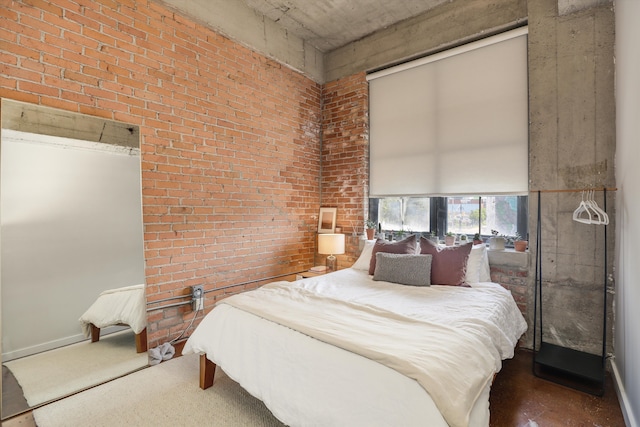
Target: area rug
x=62, y=371
x=163, y=395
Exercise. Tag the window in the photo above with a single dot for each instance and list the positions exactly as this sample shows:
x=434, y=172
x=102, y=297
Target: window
x=459, y=215
x=409, y=214
x=464, y=106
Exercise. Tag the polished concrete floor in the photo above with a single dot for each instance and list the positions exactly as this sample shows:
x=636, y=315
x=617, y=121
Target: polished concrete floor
x=520, y=399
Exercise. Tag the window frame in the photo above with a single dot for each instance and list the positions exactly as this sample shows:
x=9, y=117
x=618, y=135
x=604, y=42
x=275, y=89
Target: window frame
x=438, y=221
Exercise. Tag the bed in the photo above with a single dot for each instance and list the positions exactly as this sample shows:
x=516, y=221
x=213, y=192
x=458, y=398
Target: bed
x=349, y=348
x=120, y=306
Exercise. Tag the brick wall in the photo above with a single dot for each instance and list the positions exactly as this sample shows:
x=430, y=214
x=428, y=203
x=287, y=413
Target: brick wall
x=515, y=280
x=345, y=156
x=230, y=140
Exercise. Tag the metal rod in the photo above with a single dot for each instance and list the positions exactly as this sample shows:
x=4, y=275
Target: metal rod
x=538, y=279
x=252, y=281
x=575, y=190
x=160, y=307
x=169, y=299
x=604, y=317
x=177, y=304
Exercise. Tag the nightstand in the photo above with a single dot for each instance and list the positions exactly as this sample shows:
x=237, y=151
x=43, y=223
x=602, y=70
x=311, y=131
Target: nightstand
x=313, y=273
x=310, y=273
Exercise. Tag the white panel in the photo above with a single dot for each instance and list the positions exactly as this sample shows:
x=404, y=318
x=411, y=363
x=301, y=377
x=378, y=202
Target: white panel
x=71, y=228
x=467, y=112
x=409, y=132
x=627, y=207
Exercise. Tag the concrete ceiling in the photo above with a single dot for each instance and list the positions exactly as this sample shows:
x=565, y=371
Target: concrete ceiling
x=314, y=36
x=330, y=24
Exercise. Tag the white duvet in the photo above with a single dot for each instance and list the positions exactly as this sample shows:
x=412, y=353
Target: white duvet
x=450, y=340
x=117, y=306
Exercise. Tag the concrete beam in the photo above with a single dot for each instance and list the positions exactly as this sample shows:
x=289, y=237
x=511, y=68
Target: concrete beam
x=566, y=7
x=235, y=20
x=43, y=120
x=446, y=26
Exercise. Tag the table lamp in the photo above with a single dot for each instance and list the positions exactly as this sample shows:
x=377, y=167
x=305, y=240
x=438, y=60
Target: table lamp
x=331, y=244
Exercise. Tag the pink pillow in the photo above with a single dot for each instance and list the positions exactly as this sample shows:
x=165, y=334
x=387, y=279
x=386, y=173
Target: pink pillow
x=405, y=246
x=449, y=264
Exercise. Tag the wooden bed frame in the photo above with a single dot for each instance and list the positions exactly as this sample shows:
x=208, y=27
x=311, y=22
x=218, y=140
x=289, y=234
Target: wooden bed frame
x=207, y=372
x=141, y=338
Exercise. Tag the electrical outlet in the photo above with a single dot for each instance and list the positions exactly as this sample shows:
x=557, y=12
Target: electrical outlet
x=197, y=298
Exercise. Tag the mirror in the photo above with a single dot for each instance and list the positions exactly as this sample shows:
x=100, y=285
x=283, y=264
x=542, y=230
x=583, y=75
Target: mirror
x=71, y=241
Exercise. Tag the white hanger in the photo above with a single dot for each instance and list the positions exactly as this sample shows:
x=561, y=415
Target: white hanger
x=596, y=213
x=580, y=211
x=589, y=207
x=604, y=218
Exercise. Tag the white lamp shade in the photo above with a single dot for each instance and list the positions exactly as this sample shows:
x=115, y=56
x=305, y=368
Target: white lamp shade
x=330, y=244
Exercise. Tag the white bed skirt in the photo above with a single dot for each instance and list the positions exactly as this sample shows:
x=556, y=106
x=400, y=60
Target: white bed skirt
x=305, y=382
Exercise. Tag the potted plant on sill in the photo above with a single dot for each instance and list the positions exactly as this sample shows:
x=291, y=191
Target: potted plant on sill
x=519, y=244
x=477, y=239
x=371, y=229
x=463, y=239
x=449, y=239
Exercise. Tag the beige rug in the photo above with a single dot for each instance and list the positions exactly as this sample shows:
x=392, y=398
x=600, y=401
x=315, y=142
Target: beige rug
x=62, y=371
x=163, y=395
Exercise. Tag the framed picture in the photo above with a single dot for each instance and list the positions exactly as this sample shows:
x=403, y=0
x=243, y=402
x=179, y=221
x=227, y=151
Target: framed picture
x=327, y=220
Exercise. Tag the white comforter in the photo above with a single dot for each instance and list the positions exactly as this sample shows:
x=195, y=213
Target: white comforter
x=449, y=339
x=117, y=306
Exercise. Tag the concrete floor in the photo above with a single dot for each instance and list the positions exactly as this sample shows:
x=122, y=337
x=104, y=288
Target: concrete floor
x=520, y=399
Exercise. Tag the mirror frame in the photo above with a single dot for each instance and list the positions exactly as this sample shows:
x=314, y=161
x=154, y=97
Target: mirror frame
x=40, y=119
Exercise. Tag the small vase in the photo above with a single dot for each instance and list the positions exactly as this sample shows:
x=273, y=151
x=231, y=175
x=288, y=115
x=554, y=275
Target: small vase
x=497, y=243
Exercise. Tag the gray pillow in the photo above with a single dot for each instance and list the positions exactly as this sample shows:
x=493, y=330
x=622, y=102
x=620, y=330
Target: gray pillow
x=404, y=269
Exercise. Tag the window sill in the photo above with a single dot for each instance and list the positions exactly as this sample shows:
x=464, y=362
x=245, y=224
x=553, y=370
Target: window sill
x=509, y=257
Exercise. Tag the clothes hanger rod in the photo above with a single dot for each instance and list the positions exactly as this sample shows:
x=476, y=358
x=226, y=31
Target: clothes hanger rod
x=576, y=190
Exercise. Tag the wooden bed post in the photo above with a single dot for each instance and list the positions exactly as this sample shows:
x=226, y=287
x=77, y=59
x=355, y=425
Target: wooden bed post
x=207, y=372
x=141, y=341
x=95, y=333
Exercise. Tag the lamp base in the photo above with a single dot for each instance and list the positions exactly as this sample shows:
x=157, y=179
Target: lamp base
x=332, y=263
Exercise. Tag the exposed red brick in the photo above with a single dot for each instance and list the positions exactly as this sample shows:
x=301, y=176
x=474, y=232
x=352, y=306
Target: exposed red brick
x=230, y=140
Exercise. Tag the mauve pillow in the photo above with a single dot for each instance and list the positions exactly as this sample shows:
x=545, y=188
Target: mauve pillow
x=405, y=246
x=449, y=263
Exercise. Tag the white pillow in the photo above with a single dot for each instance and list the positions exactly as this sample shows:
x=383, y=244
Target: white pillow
x=485, y=269
x=478, y=265
x=362, y=263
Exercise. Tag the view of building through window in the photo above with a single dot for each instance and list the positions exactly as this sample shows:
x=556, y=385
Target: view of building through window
x=500, y=213
x=409, y=214
x=460, y=215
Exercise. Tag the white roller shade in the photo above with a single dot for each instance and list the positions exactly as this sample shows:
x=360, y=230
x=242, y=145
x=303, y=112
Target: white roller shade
x=452, y=123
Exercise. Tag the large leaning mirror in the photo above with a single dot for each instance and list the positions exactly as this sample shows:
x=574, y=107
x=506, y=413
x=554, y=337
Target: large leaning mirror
x=71, y=253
